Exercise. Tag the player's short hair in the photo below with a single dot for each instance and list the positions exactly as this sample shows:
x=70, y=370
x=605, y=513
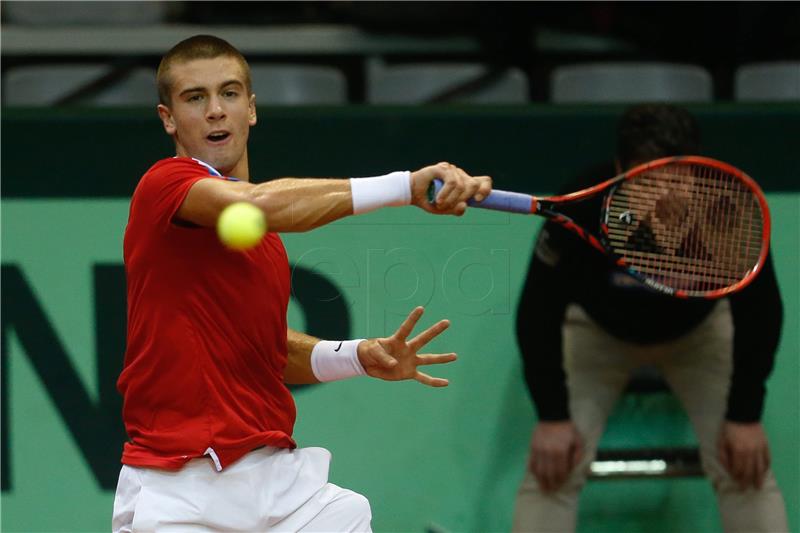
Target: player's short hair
x=651, y=131
x=197, y=47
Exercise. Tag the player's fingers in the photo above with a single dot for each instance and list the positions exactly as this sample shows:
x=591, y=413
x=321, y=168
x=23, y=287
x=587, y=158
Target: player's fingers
x=430, y=381
x=426, y=336
x=436, y=359
x=408, y=324
x=447, y=200
x=470, y=185
x=444, y=193
x=421, y=183
x=451, y=191
x=484, y=187
x=442, y=171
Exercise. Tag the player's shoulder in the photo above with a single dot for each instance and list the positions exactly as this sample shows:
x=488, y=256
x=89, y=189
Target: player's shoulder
x=171, y=165
x=175, y=170
x=170, y=174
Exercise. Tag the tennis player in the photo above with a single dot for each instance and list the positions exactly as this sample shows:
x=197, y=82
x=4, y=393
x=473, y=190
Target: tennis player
x=209, y=354
x=599, y=324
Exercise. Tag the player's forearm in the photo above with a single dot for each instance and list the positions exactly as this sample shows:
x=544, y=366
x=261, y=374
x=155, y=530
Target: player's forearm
x=312, y=360
x=298, y=365
x=294, y=205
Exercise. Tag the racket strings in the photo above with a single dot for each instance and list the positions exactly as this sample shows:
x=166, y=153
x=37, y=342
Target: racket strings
x=689, y=226
x=688, y=241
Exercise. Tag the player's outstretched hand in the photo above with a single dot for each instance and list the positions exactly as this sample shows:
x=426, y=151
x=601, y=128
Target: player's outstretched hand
x=395, y=358
x=458, y=187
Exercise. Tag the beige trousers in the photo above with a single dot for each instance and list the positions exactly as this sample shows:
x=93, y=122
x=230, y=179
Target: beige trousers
x=697, y=368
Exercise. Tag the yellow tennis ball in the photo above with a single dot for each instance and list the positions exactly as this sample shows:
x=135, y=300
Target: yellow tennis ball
x=241, y=226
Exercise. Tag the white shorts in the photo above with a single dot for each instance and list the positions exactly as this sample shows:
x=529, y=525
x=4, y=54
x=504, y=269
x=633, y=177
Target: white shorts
x=269, y=489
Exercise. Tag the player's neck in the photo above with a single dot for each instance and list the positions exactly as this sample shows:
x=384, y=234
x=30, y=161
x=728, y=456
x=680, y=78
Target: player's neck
x=241, y=170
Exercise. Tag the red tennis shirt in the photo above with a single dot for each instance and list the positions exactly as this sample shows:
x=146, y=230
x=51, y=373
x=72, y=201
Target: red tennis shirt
x=203, y=372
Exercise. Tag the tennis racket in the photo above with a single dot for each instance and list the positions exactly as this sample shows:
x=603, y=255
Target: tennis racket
x=687, y=226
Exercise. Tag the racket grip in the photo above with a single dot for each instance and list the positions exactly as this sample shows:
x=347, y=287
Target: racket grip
x=512, y=202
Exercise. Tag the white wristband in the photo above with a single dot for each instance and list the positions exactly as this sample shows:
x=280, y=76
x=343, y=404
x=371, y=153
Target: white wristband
x=332, y=360
x=380, y=191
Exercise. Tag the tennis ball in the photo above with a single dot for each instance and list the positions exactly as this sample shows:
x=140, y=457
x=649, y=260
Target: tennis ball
x=241, y=225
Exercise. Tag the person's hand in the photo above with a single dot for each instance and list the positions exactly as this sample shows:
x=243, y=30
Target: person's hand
x=744, y=452
x=556, y=448
x=395, y=359
x=458, y=187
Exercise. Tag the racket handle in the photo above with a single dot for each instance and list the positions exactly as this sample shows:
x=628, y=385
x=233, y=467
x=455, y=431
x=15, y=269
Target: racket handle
x=512, y=202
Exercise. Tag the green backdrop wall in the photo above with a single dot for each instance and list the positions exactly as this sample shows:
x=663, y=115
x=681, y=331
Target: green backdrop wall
x=445, y=459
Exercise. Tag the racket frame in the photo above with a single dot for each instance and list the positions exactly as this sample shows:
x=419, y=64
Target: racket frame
x=547, y=207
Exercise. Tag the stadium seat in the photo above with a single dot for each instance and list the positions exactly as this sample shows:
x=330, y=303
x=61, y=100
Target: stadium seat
x=84, y=13
x=298, y=84
x=82, y=84
x=445, y=82
x=773, y=82
x=630, y=83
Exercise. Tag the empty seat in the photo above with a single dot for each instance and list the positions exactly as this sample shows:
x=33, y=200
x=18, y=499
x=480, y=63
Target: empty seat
x=774, y=82
x=446, y=82
x=84, y=13
x=84, y=84
x=298, y=84
x=629, y=83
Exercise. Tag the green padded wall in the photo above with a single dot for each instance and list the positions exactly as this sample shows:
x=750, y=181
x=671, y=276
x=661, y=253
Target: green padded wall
x=443, y=460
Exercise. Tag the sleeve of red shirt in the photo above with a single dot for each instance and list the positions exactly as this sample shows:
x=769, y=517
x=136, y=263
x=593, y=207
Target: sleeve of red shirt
x=164, y=187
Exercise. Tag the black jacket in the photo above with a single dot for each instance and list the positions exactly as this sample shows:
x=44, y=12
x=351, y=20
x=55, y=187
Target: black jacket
x=564, y=269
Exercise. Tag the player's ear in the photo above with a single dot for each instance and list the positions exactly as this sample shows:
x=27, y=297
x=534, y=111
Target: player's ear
x=166, y=119
x=252, y=119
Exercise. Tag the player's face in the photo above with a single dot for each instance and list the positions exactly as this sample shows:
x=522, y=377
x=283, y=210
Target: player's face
x=210, y=113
